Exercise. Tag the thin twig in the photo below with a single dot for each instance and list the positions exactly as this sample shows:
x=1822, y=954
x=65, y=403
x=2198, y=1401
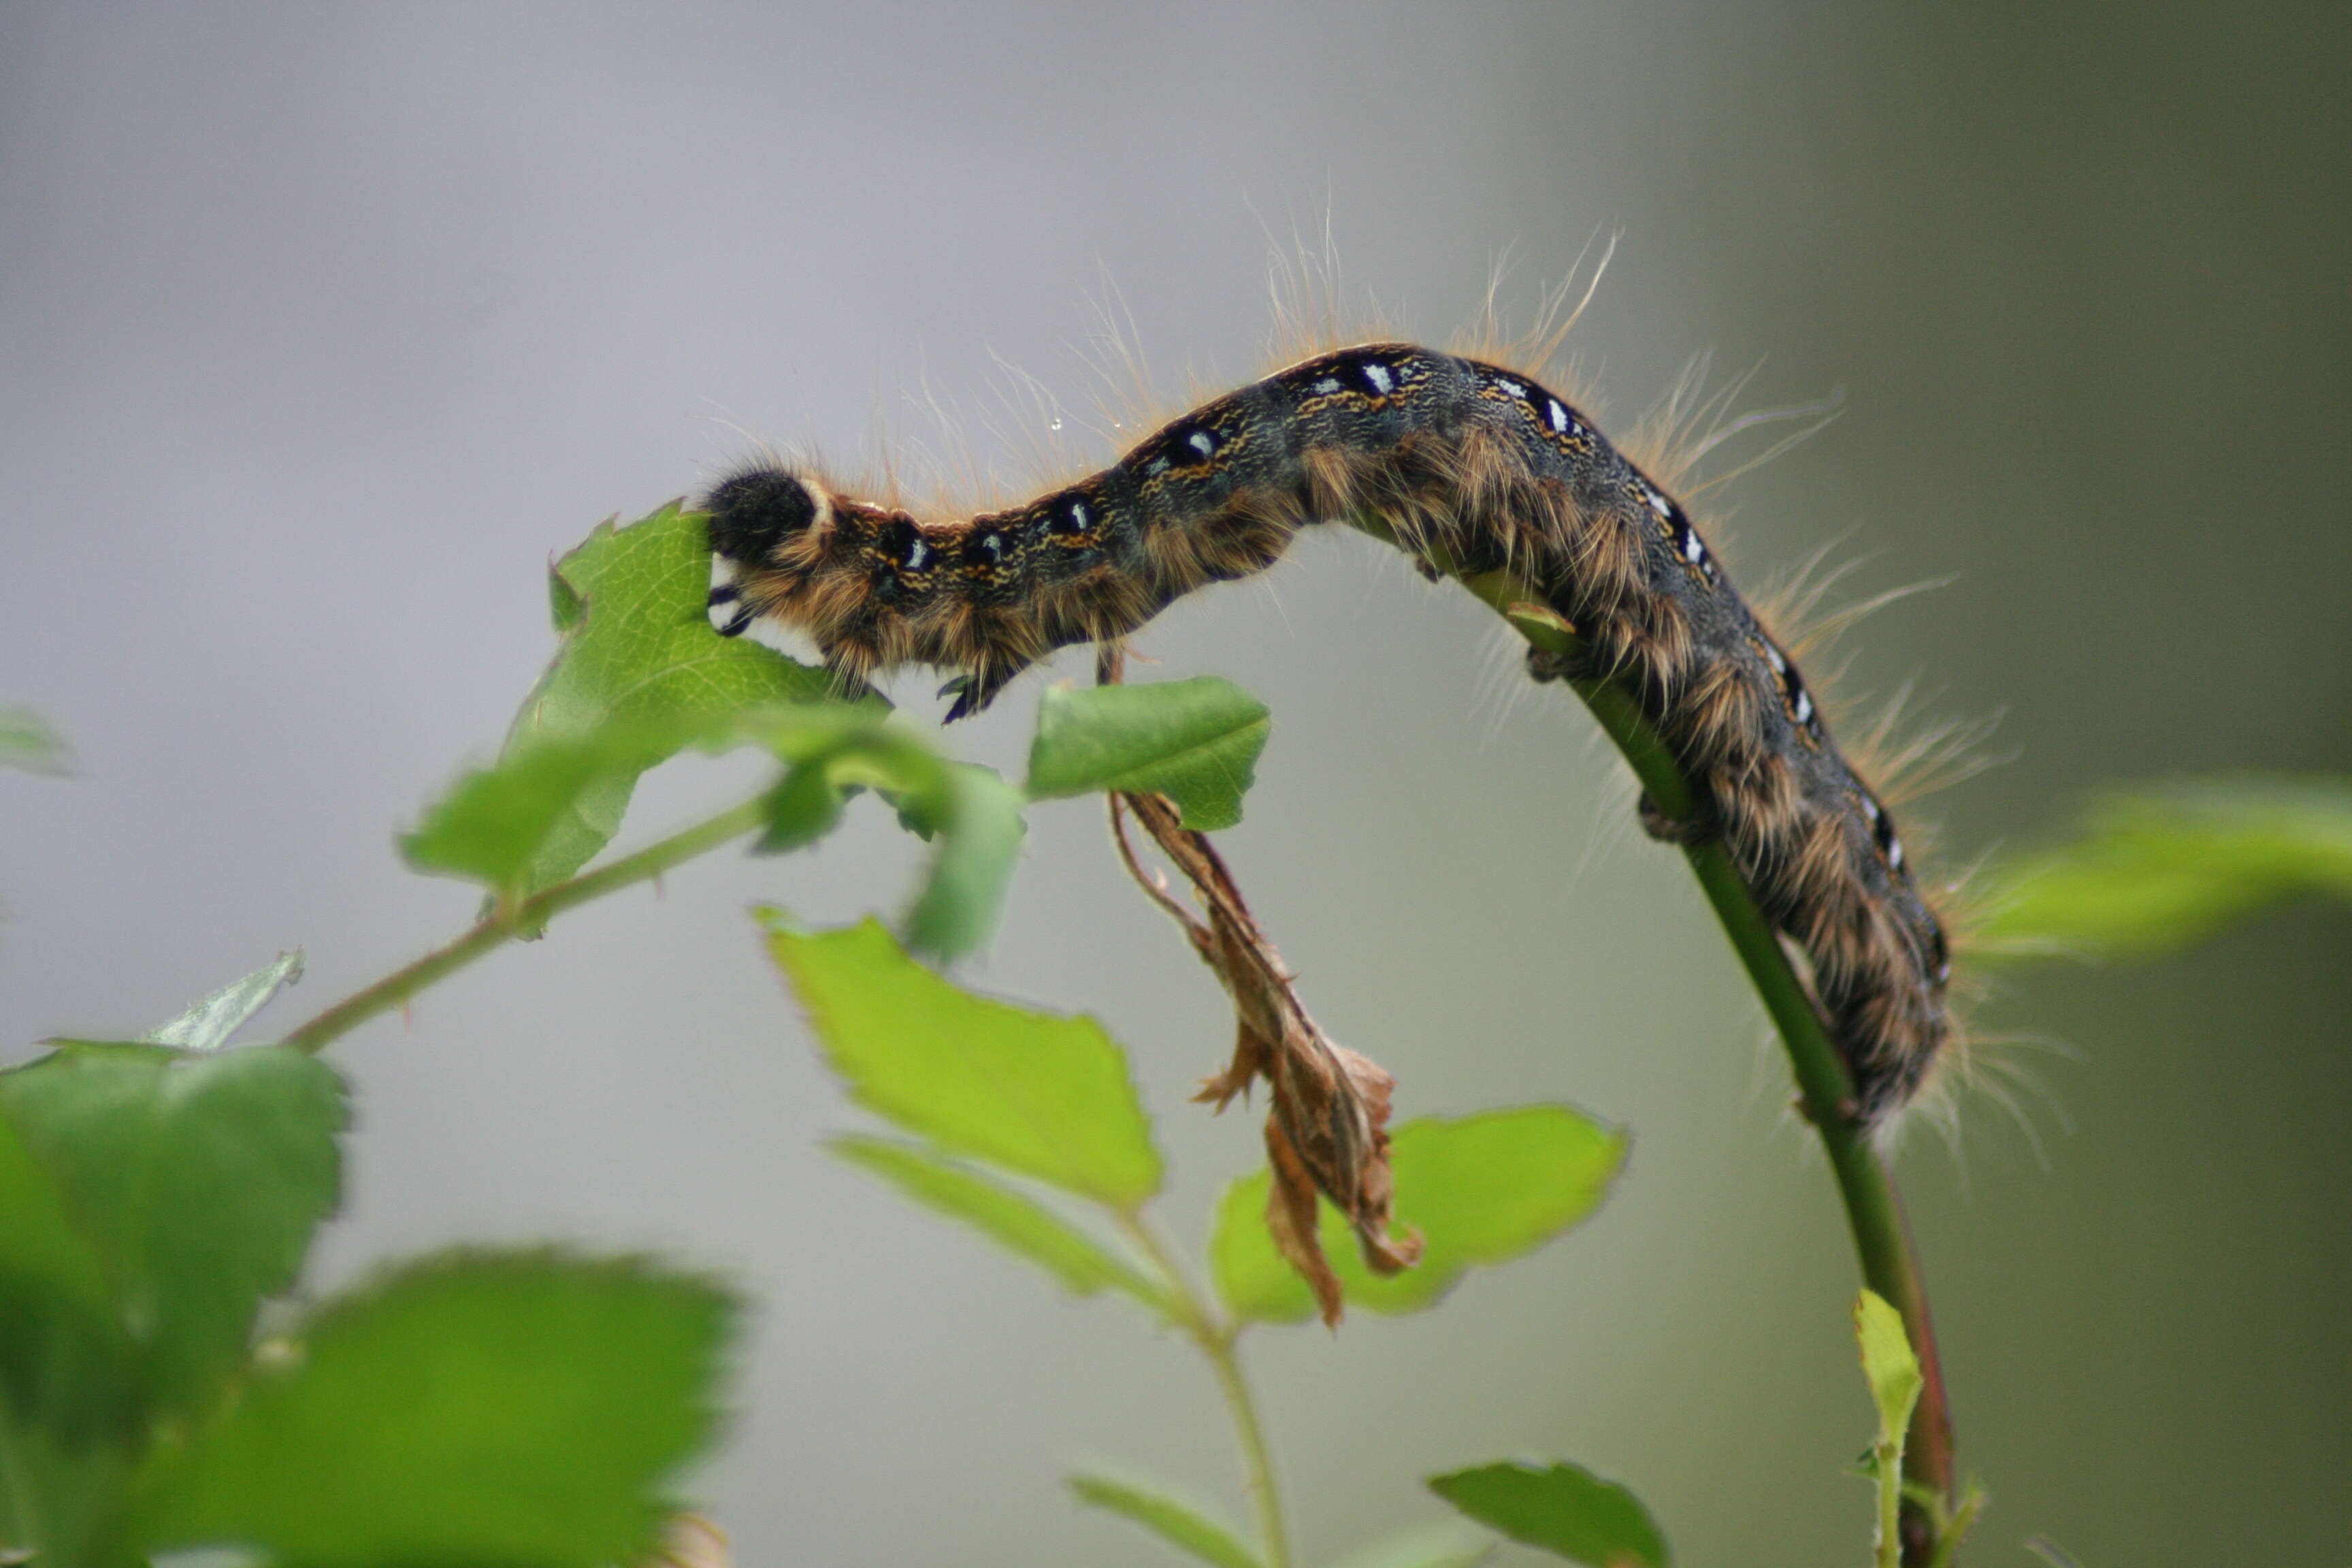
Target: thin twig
x=523, y=917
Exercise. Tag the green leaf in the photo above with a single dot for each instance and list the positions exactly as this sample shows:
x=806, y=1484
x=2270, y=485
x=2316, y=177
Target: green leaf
x=631, y=605
x=497, y=825
x=2159, y=869
x=31, y=743
x=1888, y=1364
x=197, y=1179
x=973, y=815
x=1013, y=1221
x=65, y=1361
x=978, y=843
x=1035, y=1093
x=1179, y=1525
x=1565, y=1510
x=208, y=1024
x=517, y=1408
x=1481, y=1190
x=1195, y=741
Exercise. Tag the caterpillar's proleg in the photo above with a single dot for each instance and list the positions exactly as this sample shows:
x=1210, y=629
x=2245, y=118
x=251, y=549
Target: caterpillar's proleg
x=1463, y=463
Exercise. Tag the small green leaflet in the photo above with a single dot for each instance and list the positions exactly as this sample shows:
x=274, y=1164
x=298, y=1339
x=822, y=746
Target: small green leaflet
x=1481, y=1190
x=1196, y=741
x=1034, y=1093
x=1566, y=1509
x=31, y=743
x=2159, y=869
x=1012, y=1219
x=1888, y=1363
x=525, y=1408
x=1180, y=1525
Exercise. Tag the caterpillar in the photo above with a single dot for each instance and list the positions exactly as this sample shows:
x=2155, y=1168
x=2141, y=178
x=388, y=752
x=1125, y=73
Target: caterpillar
x=1472, y=468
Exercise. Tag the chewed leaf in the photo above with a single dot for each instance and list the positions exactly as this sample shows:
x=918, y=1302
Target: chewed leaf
x=631, y=606
x=1035, y=1093
x=198, y=1178
x=1179, y=1524
x=1195, y=741
x=1566, y=1509
x=1480, y=1190
x=2160, y=868
x=31, y=743
x=1888, y=1363
x=209, y=1023
x=475, y=1407
x=1015, y=1221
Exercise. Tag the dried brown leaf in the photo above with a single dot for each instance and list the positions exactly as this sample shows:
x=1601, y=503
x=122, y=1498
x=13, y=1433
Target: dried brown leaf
x=1327, y=1131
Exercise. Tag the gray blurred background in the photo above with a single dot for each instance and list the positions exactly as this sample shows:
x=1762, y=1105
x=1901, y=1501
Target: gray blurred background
x=323, y=326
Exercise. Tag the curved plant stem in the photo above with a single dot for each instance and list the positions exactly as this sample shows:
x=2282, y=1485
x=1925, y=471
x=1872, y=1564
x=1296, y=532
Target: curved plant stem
x=1873, y=1211
x=1218, y=1341
x=523, y=917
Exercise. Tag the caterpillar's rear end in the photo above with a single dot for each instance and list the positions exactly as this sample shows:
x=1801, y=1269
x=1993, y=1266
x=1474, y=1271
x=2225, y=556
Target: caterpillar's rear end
x=1472, y=466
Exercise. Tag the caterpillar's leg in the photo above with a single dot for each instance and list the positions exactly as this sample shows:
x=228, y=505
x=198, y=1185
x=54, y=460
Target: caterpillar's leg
x=738, y=620
x=977, y=689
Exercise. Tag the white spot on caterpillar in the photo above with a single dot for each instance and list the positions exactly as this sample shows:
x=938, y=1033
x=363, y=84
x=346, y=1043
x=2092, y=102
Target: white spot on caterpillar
x=1156, y=466
x=1803, y=706
x=1511, y=389
x=1078, y=518
x=917, y=554
x=1658, y=503
x=1559, y=416
x=1327, y=386
x=1895, y=852
x=1693, y=550
x=1376, y=375
x=1201, y=441
x=1871, y=810
x=1776, y=658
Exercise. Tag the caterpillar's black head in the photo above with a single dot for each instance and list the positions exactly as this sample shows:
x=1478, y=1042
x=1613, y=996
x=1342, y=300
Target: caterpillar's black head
x=754, y=511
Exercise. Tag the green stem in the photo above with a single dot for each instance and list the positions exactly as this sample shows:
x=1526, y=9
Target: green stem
x=504, y=924
x=1219, y=1341
x=1874, y=1212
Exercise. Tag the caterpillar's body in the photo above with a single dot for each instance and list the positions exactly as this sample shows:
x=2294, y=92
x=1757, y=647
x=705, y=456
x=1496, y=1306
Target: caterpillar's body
x=1471, y=466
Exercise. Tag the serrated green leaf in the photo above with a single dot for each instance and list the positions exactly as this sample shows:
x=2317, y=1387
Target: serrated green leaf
x=631, y=605
x=523, y=1409
x=31, y=743
x=66, y=1364
x=1480, y=1189
x=1888, y=1363
x=197, y=1179
x=1180, y=1525
x=1012, y=1220
x=2159, y=869
x=208, y=1024
x=1195, y=741
x=1037, y=1094
x=1566, y=1509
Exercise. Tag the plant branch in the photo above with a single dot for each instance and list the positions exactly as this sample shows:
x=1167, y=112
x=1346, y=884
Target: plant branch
x=1873, y=1211
x=523, y=916
x=1219, y=1341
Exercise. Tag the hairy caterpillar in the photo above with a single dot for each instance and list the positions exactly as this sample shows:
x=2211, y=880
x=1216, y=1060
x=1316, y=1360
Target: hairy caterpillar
x=1474, y=468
